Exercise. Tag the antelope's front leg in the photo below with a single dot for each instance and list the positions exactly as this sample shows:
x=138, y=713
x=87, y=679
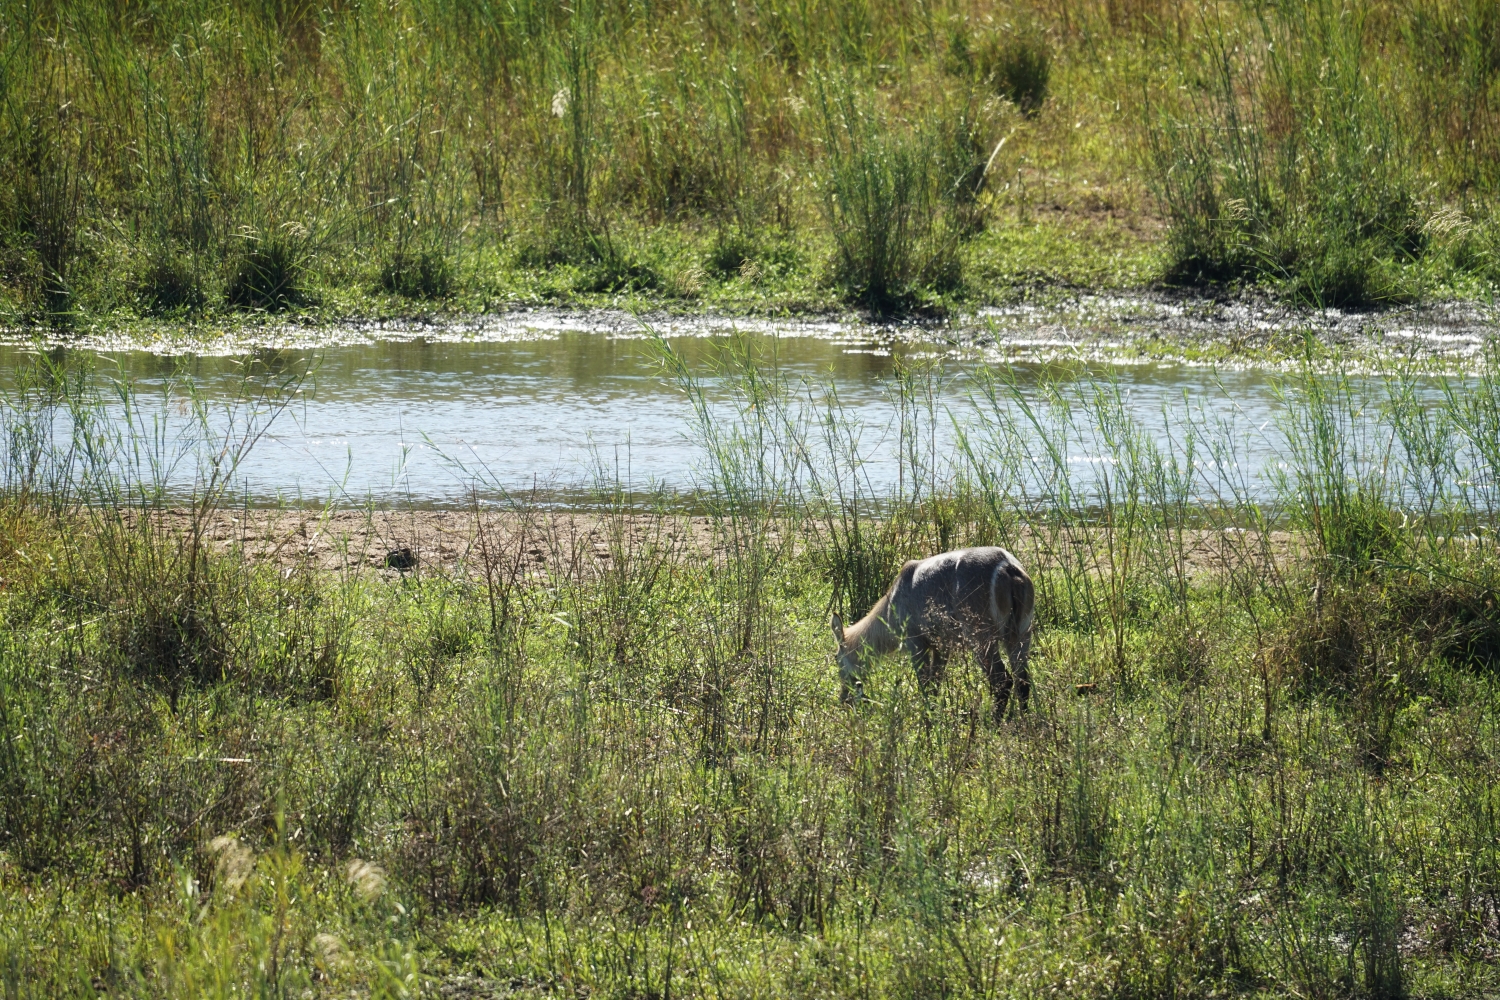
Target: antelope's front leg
x=927, y=659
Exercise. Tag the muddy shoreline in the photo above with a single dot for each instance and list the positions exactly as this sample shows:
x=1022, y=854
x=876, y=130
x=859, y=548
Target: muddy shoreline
x=569, y=543
x=1042, y=325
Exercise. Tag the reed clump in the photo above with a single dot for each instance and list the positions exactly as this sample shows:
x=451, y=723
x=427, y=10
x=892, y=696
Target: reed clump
x=1294, y=163
x=1015, y=61
x=265, y=276
x=170, y=283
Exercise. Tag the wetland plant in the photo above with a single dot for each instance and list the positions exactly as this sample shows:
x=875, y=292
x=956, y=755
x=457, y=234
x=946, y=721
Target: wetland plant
x=266, y=275
x=50, y=160
x=1015, y=62
x=1293, y=167
x=170, y=283
x=895, y=236
x=424, y=274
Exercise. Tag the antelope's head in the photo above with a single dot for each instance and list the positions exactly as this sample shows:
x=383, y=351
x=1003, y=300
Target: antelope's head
x=847, y=656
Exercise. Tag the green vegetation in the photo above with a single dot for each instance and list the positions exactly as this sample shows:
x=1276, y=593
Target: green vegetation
x=1315, y=182
x=241, y=156
x=606, y=756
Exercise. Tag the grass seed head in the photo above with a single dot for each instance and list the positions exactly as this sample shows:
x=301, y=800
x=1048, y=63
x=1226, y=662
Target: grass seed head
x=366, y=878
x=328, y=951
x=235, y=861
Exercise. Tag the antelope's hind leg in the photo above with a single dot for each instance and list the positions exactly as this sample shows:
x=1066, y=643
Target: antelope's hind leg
x=999, y=677
x=1018, y=651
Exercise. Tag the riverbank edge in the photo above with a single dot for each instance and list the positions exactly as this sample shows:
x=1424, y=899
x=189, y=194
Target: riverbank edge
x=1048, y=325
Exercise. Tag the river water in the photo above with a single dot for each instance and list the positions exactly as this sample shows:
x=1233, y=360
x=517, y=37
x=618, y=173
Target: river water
x=426, y=420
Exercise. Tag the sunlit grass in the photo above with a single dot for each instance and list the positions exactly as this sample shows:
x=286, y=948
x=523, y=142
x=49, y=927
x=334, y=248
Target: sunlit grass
x=203, y=158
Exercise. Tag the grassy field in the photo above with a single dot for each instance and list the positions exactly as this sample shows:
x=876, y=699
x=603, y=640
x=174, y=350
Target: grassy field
x=215, y=159
x=605, y=755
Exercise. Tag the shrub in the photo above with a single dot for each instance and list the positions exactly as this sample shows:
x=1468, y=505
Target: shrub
x=1345, y=644
x=426, y=274
x=170, y=284
x=617, y=271
x=1343, y=274
x=884, y=192
x=1369, y=645
x=604, y=263
x=732, y=251
x=1294, y=169
x=1017, y=64
x=266, y=276
x=561, y=238
x=181, y=618
x=1458, y=619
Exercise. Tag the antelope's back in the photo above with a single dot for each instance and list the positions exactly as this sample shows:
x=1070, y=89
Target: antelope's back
x=968, y=588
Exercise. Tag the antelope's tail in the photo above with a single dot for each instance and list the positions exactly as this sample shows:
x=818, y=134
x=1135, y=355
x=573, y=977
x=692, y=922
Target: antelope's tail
x=1014, y=622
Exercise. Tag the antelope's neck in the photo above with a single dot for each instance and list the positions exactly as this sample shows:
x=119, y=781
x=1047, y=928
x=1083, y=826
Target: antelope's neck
x=873, y=631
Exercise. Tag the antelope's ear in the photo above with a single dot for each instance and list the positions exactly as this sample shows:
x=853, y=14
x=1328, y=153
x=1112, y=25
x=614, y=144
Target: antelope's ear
x=838, y=629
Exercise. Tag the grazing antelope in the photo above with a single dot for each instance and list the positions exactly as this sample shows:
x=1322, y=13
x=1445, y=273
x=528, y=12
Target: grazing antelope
x=977, y=599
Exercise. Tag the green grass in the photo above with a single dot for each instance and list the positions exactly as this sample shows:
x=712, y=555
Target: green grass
x=206, y=159
x=633, y=776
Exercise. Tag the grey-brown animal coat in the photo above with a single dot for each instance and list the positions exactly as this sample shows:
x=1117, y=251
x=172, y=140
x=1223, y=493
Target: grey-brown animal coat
x=977, y=599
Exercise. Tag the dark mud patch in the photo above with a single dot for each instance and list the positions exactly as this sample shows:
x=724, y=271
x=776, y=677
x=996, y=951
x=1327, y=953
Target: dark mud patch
x=1233, y=332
